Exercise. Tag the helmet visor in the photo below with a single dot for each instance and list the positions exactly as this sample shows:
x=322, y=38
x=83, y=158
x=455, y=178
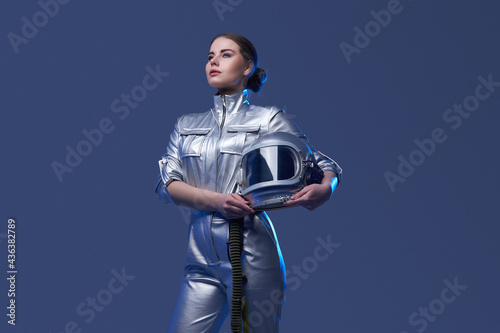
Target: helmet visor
x=270, y=164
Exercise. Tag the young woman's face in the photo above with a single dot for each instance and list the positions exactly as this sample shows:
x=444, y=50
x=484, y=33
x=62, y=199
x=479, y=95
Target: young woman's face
x=226, y=68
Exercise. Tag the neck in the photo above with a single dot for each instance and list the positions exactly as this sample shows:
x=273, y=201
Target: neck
x=230, y=90
x=227, y=91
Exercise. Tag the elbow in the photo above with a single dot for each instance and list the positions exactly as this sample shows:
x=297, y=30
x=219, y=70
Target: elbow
x=162, y=192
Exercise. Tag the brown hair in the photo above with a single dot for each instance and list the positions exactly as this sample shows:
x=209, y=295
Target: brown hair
x=248, y=51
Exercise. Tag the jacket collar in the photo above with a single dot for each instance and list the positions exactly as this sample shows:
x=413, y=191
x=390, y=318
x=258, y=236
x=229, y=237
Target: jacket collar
x=233, y=102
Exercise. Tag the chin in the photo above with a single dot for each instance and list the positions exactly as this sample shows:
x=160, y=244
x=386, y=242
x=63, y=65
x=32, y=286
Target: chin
x=216, y=85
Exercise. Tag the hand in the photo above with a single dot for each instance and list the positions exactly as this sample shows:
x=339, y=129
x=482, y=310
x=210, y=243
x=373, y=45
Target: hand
x=310, y=197
x=233, y=206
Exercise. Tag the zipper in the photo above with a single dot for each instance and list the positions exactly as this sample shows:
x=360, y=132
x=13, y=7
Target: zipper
x=223, y=99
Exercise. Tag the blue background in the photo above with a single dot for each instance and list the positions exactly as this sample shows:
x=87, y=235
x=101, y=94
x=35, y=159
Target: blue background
x=397, y=247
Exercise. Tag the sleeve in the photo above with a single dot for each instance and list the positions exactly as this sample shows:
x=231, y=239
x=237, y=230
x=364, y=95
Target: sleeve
x=280, y=122
x=170, y=167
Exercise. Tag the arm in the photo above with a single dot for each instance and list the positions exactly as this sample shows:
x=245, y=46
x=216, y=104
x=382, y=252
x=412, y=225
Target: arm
x=170, y=166
x=279, y=122
x=231, y=205
x=171, y=188
x=314, y=195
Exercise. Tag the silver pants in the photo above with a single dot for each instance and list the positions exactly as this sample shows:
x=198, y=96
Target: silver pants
x=205, y=292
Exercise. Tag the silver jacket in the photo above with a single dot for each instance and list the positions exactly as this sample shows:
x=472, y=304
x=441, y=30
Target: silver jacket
x=205, y=148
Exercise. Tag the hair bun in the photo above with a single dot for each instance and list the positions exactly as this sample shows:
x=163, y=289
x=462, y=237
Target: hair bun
x=257, y=79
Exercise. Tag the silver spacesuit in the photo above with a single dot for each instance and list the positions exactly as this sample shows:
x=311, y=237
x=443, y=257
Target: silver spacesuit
x=205, y=151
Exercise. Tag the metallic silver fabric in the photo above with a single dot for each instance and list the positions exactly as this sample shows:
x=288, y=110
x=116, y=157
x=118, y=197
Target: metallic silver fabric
x=204, y=151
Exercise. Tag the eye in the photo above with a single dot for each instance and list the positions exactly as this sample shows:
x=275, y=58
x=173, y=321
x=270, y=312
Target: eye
x=226, y=55
x=210, y=57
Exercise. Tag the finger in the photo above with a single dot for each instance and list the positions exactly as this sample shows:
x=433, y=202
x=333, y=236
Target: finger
x=290, y=203
x=301, y=193
x=301, y=200
x=293, y=202
x=240, y=206
x=239, y=198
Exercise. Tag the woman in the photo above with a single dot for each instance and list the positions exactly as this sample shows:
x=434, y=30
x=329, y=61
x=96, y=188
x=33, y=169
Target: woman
x=199, y=171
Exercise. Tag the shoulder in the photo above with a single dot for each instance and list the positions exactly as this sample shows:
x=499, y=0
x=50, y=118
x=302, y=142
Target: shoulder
x=193, y=119
x=266, y=111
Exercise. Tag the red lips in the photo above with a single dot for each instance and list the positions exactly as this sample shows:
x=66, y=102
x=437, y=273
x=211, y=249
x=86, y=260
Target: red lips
x=214, y=71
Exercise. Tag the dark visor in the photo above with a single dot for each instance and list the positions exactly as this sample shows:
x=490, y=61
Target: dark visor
x=269, y=164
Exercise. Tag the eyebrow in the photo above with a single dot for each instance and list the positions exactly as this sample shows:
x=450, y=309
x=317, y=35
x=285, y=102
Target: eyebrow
x=223, y=50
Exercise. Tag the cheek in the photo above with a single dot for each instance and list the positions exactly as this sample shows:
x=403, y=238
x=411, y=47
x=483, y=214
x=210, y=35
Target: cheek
x=236, y=69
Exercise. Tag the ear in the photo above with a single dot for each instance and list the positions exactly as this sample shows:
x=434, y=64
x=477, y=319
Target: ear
x=248, y=68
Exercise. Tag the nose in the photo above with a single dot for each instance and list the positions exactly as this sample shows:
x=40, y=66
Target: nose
x=214, y=61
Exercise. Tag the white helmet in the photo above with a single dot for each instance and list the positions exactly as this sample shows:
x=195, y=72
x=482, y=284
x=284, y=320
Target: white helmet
x=275, y=167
